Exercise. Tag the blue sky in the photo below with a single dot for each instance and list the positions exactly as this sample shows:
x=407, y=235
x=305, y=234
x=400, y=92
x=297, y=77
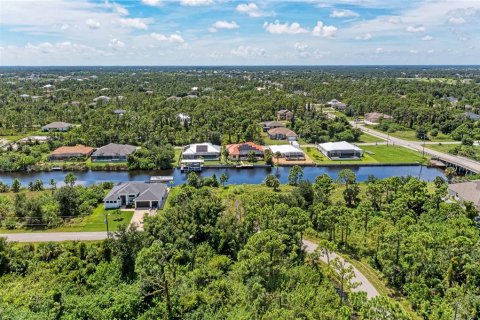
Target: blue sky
x=230, y=32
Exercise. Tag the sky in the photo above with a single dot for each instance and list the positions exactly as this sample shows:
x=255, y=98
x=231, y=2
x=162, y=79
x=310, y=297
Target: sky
x=230, y=32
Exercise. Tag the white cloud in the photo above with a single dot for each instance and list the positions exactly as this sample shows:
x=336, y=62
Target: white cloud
x=279, y=28
x=222, y=24
x=413, y=51
x=324, y=31
x=415, y=29
x=431, y=51
x=427, y=38
x=252, y=10
x=153, y=3
x=193, y=3
x=135, y=23
x=456, y=20
x=121, y=10
x=92, y=24
x=379, y=50
x=175, y=38
x=300, y=46
x=366, y=36
x=116, y=44
x=343, y=14
x=248, y=51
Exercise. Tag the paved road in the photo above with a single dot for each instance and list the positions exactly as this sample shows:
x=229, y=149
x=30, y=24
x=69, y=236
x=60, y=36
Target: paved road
x=54, y=236
x=365, y=285
x=418, y=146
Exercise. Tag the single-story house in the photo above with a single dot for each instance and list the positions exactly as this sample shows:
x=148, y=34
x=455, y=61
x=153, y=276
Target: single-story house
x=472, y=116
x=241, y=151
x=466, y=192
x=57, y=126
x=31, y=139
x=288, y=151
x=334, y=103
x=340, y=150
x=138, y=194
x=267, y=125
x=113, y=152
x=206, y=151
x=282, y=134
x=284, y=115
x=376, y=117
x=67, y=153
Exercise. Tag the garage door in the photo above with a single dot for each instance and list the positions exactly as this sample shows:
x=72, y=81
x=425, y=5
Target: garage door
x=143, y=204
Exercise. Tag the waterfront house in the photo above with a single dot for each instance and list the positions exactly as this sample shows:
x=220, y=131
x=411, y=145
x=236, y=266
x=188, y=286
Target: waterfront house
x=79, y=152
x=113, y=152
x=136, y=194
x=466, y=192
x=376, y=117
x=206, y=151
x=284, y=115
x=288, y=151
x=282, y=134
x=340, y=150
x=241, y=151
x=267, y=125
x=57, y=126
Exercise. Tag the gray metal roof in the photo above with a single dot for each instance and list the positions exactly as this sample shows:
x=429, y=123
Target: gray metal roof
x=57, y=124
x=467, y=191
x=113, y=149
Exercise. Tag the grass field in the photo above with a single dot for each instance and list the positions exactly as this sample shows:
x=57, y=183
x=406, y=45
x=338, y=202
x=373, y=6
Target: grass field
x=92, y=222
x=411, y=136
x=366, y=138
x=372, y=154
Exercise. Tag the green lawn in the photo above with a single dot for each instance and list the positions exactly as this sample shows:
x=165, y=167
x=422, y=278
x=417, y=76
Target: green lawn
x=366, y=138
x=92, y=222
x=372, y=154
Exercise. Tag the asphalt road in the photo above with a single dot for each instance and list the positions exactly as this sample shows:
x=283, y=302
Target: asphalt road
x=365, y=285
x=418, y=146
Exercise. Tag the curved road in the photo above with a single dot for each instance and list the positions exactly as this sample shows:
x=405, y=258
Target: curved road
x=365, y=284
x=468, y=164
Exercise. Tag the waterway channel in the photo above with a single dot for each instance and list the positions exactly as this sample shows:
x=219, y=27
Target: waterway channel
x=236, y=176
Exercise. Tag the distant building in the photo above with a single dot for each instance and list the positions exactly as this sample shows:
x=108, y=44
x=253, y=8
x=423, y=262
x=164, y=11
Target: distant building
x=113, y=152
x=288, y=151
x=57, y=126
x=284, y=115
x=241, y=151
x=206, y=151
x=271, y=125
x=101, y=98
x=472, y=116
x=334, y=103
x=119, y=112
x=466, y=192
x=184, y=118
x=282, y=133
x=137, y=194
x=340, y=150
x=376, y=117
x=79, y=152
x=31, y=139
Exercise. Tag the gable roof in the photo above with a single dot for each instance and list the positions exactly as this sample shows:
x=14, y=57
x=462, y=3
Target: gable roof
x=114, y=149
x=272, y=124
x=375, y=116
x=201, y=148
x=467, y=191
x=283, y=131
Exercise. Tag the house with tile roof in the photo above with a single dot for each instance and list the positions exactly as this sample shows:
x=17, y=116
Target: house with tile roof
x=78, y=152
x=241, y=151
x=284, y=115
x=282, y=133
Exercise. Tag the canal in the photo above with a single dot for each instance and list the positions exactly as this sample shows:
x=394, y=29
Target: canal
x=236, y=176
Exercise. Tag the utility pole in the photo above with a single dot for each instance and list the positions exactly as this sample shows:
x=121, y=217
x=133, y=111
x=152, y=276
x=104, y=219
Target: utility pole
x=423, y=149
x=106, y=222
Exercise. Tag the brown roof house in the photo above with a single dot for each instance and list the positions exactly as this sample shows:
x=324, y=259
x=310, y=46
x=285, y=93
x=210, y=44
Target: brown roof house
x=284, y=115
x=57, y=126
x=376, y=117
x=267, y=125
x=242, y=150
x=282, y=134
x=466, y=192
x=70, y=153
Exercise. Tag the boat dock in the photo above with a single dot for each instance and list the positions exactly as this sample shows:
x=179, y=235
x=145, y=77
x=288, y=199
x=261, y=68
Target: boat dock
x=194, y=165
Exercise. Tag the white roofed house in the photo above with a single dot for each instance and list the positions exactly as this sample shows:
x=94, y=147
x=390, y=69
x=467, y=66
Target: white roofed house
x=205, y=151
x=136, y=194
x=288, y=151
x=340, y=150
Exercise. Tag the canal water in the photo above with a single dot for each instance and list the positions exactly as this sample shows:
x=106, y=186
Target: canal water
x=236, y=176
